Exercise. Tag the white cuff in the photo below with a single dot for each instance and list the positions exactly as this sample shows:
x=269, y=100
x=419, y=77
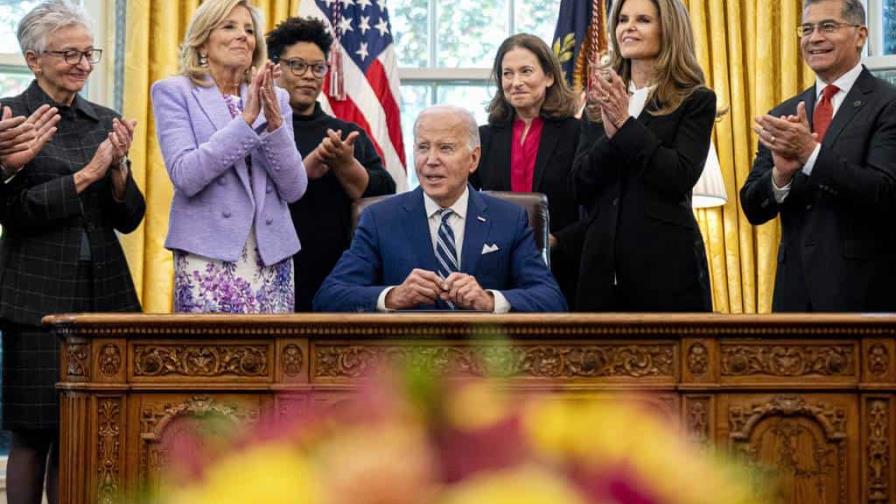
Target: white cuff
x=501, y=303
x=381, y=300
x=780, y=192
x=810, y=163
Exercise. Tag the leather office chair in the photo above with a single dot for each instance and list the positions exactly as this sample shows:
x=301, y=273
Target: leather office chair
x=535, y=204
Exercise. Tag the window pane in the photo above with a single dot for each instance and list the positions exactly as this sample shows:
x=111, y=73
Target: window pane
x=410, y=27
x=889, y=26
x=537, y=17
x=887, y=75
x=13, y=81
x=473, y=96
x=11, y=11
x=469, y=32
x=414, y=98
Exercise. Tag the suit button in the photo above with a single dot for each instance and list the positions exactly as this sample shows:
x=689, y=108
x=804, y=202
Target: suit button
x=809, y=206
x=226, y=214
x=269, y=190
x=615, y=201
x=268, y=221
x=221, y=180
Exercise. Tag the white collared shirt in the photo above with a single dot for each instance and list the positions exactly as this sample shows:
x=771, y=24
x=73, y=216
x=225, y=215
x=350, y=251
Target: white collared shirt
x=637, y=99
x=457, y=222
x=844, y=84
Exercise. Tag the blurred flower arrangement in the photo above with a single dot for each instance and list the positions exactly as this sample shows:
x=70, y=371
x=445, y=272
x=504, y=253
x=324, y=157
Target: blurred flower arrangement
x=412, y=438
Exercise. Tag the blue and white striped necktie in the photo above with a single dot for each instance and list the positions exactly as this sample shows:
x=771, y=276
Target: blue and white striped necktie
x=446, y=252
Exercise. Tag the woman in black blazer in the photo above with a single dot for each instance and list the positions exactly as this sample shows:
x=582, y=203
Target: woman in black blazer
x=635, y=169
x=534, y=102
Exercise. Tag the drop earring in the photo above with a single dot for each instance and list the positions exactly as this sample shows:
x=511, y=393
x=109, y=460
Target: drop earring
x=203, y=60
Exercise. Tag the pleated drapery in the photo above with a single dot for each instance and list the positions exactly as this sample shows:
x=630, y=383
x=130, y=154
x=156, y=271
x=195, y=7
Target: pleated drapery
x=750, y=54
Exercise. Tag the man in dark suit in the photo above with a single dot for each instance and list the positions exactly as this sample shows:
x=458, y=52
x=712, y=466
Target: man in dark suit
x=442, y=246
x=827, y=163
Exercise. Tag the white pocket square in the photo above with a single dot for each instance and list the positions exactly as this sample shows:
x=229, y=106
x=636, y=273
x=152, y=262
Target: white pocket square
x=488, y=249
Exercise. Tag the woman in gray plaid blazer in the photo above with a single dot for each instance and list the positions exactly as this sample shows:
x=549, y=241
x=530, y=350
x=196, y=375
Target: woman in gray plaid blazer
x=60, y=211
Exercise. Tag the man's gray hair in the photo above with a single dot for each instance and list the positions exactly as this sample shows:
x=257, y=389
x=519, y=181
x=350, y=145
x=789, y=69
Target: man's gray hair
x=853, y=10
x=36, y=27
x=461, y=113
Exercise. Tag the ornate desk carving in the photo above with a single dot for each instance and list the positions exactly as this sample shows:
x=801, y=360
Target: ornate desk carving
x=811, y=396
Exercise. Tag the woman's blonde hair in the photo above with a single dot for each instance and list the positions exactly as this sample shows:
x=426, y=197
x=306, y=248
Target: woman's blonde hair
x=677, y=73
x=207, y=17
x=559, y=100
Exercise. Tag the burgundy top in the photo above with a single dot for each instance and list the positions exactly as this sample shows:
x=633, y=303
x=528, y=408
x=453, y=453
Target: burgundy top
x=522, y=155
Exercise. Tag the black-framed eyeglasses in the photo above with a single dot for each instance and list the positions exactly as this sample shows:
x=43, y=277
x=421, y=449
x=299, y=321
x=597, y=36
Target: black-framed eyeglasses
x=827, y=26
x=298, y=67
x=73, y=57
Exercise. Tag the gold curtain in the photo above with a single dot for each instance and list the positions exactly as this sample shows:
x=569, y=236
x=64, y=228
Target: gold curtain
x=155, y=29
x=750, y=54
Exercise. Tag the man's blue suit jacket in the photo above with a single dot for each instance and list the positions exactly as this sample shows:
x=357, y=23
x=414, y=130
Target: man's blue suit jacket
x=393, y=238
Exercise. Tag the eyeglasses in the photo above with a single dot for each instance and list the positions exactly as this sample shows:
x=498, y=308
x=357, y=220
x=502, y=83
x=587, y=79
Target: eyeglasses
x=826, y=27
x=73, y=57
x=298, y=67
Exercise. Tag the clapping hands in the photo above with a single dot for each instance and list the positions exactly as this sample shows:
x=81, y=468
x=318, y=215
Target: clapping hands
x=790, y=140
x=22, y=138
x=608, y=95
x=263, y=97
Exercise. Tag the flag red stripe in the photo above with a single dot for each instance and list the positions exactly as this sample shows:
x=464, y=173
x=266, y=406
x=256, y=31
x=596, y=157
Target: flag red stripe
x=379, y=81
x=348, y=111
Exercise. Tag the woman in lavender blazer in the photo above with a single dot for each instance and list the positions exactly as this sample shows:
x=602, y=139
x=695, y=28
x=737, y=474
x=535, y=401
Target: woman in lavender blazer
x=225, y=132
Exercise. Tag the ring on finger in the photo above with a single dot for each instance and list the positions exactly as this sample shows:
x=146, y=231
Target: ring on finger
x=772, y=140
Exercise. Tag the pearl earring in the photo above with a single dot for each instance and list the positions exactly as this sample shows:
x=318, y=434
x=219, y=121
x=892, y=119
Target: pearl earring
x=203, y=60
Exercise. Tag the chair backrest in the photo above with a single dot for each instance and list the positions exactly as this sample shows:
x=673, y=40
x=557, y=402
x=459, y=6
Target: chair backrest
x=535, y=204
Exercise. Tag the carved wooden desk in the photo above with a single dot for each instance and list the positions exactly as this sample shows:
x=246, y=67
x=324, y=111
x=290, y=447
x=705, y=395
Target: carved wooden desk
x=814, y=395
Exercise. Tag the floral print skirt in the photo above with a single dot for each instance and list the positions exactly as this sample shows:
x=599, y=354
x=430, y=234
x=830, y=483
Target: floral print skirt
x=204, y=285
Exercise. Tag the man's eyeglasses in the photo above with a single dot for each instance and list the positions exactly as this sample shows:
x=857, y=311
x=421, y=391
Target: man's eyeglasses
x=298, y=67
x=73, y=57
x=827, y=27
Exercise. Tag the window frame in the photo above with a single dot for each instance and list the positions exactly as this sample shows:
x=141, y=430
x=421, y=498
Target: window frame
x=435, y=76
x=100, y=87
x=873, y=59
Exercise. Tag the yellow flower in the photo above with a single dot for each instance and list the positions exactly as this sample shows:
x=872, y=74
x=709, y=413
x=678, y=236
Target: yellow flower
x=265, y=473
x=605, y=433
x=477, y=405
x=523, y=485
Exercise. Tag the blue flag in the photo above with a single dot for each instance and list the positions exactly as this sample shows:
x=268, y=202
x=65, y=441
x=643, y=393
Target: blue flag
x=570, y=34
x=580, y=31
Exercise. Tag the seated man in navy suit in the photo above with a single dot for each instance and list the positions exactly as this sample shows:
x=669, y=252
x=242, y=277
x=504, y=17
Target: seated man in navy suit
x=443, y=245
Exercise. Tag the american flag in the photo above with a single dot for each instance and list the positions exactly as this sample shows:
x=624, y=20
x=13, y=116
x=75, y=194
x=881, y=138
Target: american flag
x=362, y=86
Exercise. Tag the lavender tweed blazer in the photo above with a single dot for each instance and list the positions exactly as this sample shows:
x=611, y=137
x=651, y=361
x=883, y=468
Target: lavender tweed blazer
x=217, y=197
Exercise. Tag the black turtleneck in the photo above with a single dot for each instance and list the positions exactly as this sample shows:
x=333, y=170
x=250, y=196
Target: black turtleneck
x=323, y=216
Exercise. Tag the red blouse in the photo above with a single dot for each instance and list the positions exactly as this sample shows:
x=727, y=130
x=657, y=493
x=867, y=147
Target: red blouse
x=522, y=155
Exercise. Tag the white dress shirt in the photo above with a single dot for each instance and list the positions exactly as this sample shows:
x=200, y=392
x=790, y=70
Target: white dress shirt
x=457, y=223
x=637, y=98
x=844, y=84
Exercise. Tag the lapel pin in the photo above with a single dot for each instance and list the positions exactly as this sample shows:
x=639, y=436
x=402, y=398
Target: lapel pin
x=481, y=218
x=857, y=103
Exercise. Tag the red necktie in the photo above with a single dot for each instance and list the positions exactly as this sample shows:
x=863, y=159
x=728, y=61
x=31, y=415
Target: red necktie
x=824, y=112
